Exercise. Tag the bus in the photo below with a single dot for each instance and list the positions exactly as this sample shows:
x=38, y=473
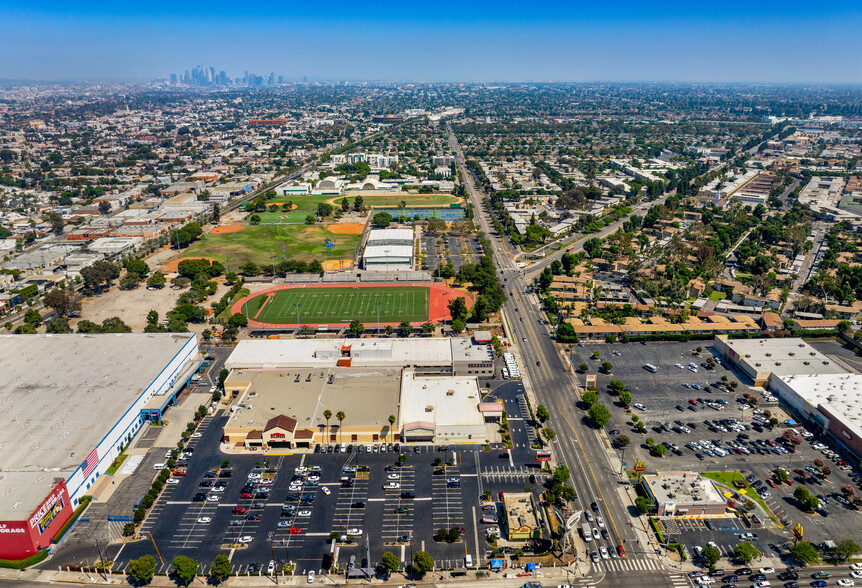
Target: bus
x=650, y=367
x=543, y=455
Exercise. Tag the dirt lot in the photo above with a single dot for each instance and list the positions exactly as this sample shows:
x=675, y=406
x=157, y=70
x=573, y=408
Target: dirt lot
x=133, y=305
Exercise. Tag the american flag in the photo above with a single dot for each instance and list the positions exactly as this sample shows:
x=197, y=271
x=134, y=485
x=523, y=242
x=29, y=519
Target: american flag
x=91, y=462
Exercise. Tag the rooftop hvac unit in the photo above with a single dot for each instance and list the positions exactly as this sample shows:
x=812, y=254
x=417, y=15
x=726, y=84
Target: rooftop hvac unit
x=429, y=408
x=450, y=393
x=768, y=355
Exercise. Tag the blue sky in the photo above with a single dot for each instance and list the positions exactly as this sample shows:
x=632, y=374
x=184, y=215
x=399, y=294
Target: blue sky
x=723, y=41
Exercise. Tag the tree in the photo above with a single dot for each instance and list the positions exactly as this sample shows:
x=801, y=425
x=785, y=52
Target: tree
x=389, y=561
x=222, y=376
x=309, y=219
x=382, y=219
x=345, y=205
x=626, y=397
x=548, y=433
x=711, y=555
x=806, y=552
x=58, y=325
x=99, y=273
x=660, y=449
x=221, y=568
x=404, y=329
x=453, y=535
x=643, y=504
x=340, y=416
x=458, y=325
x=357, y=203
x=589, y=398
x=392, y=420
x=616, y=387
x=56, y=221
x=142, y=570
x=25, y=329
x=599, y=415
x=356, y=328
x=130, y=280
x=327, y=414
x=435, y=225
x=185, y=568
x=238, y=319
x=781, y=475
x=422, y=563
x=458, y=309
x=137, y=266
x=622, y=441
x=847, y=548
x=33, y=317
x=746, y=551
x=542, y=413
x=583, y=367
x=157, y=280
x=606, y=367
x=104, y=207
x=62, y=302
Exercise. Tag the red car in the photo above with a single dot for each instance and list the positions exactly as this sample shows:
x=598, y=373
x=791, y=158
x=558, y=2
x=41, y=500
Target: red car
x=621, y=551
x=246, y=495
x=295, y=530
x=180, y=471
x=692, y=401
x=771, y=482
x=501, y=496
x=239, y=510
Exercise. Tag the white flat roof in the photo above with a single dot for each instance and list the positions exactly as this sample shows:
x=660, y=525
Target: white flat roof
x=61, y=395
x=382, y=352
x=383, y=251
x=389, y=235
x=783, y=356
x=840, y=394
x=454, y=400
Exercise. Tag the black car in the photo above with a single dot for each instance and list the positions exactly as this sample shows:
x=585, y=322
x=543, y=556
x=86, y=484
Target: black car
x=783, y=576
x=317, y=448
x=408, y=495
x=358, y=505
x=199, y=497
x=532, y=478
x=225, y=474
x=261, y=495
x=252, y=568
x=731, y=579
x=743, y=571
x=716, y=573
x=210, y=475
x=595, y=506
x=680, y=407
x=757, y=577
x=347, y=484
x=791, y=585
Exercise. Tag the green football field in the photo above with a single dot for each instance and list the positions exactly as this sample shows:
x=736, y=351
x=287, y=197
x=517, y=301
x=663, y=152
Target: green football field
x=341, y=305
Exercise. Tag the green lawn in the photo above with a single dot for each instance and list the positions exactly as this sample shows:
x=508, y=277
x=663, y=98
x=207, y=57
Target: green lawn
x=342, y=305
x=727, y=479
x=716, y=296
x=257, y=244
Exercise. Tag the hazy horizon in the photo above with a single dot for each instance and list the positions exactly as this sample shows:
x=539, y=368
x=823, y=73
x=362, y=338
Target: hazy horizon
x=768, y=42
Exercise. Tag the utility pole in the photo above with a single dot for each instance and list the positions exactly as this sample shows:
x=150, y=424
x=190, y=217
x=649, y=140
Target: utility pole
x=272, y=551
x=101, y=559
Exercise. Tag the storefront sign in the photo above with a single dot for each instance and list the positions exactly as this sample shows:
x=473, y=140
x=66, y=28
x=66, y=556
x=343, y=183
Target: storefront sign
x=49, y=509
x=276, y=436
x=6, y=529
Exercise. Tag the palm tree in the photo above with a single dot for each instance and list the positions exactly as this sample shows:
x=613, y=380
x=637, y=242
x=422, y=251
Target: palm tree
x=391, y=423
x=340, y=416
x=327, y=414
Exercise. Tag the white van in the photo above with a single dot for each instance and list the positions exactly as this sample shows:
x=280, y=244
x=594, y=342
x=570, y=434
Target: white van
x=159, y=466
x=468, y=561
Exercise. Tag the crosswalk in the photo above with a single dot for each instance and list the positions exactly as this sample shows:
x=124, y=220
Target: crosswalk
x=626, y=564
x=679, y=581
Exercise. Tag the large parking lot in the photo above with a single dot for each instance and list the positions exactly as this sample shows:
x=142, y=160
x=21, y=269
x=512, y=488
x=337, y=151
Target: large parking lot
x=288, y=507
x=746, y=445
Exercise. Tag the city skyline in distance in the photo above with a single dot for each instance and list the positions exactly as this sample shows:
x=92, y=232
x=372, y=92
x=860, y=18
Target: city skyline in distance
x=771, y=42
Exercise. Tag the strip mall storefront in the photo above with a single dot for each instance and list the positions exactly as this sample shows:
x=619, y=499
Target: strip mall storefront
x=21, y=539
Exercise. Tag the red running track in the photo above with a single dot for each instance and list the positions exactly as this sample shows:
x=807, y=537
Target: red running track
x=440, y=295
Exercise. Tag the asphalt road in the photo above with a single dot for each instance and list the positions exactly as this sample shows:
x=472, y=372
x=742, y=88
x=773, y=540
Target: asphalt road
x=577, y=445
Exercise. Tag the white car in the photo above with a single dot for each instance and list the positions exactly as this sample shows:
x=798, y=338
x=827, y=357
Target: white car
x=304, y=513
x=679, y=365
x=266, y=482
x=326, y=490
x=391, y=486
x=310, y=577
x=601, y=522
x=766, y=570
x=354, y=532
x=213, y=497
x=845, y=582
x=639, y=406
x=393, y=476
x=204, y=520
x=197, y=435
x=856, y=566
x=295, y=487
x=856, y=575
x=172, y=481
x=218, y=489
x=705, y=580
x=245, y=539
x=604, y=552
x=270, y=569
x=596, y=533
x=314, y=477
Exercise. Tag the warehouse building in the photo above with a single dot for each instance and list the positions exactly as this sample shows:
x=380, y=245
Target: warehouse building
x=429, y=386
x=761, y=358
x=69, y=405
x=457, y=356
